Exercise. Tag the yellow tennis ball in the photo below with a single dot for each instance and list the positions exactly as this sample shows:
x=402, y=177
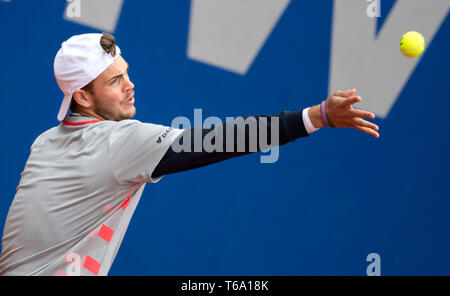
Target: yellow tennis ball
x=412, y=44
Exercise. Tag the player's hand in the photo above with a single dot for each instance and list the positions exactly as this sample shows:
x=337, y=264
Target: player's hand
x=342, y=114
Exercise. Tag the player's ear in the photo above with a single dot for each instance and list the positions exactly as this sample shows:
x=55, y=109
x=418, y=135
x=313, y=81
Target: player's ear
x=82, y=98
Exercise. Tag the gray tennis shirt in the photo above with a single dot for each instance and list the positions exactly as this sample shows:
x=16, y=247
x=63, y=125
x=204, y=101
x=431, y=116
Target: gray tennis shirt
x=77, y=194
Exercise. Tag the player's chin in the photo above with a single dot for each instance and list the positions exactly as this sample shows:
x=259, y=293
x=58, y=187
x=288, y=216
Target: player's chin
x=130, y=112
x=125, y=112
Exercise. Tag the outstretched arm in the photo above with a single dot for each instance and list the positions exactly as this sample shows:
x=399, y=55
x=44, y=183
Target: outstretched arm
x=338, y=108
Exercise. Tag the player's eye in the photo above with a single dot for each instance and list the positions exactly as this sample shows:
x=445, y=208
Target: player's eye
x=116, y=80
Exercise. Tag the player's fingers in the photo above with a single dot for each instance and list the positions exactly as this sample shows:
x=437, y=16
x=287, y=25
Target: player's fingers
x=362, y=113
x=368, y=131
x=352, y=100
x=365, y=123
x=345, y=93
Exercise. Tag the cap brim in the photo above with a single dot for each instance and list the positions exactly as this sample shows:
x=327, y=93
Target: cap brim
x=64, y=107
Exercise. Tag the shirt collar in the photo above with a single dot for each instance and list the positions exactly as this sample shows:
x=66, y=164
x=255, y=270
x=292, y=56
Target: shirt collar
x=76, y=119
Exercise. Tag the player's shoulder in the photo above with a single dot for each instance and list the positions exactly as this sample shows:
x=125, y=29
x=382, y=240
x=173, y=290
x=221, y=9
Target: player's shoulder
x=106, y=128
x=135, y=132
x=45, y=135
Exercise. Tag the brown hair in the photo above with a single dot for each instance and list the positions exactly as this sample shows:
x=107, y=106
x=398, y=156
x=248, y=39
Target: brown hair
x=108, y=43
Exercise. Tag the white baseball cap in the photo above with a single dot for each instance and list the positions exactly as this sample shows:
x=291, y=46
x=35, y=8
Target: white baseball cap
x=80, y=60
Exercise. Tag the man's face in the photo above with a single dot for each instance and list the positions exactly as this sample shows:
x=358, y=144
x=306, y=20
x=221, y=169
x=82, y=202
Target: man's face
x=113, y=94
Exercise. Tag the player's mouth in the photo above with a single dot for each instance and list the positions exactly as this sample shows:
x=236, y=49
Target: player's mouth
x=130, y=100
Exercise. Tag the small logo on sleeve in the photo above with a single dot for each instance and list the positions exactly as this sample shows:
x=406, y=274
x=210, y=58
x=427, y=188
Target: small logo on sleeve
x=164, y=134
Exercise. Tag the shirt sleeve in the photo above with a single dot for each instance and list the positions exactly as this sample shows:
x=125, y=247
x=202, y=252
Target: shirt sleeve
x=135, y=148
x=307, y=122
x=291, y=127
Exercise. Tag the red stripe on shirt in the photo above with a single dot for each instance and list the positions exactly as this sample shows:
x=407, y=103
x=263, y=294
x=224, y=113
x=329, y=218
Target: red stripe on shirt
x=80, y=123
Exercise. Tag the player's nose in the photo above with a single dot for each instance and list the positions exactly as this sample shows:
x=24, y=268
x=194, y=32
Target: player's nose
x=129, y=84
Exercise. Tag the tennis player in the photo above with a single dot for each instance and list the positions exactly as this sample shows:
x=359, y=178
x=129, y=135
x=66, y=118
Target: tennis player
x=84, y=178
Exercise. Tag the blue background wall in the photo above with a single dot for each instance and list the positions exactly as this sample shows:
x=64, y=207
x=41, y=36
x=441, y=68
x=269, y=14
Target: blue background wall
x=329, y=201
